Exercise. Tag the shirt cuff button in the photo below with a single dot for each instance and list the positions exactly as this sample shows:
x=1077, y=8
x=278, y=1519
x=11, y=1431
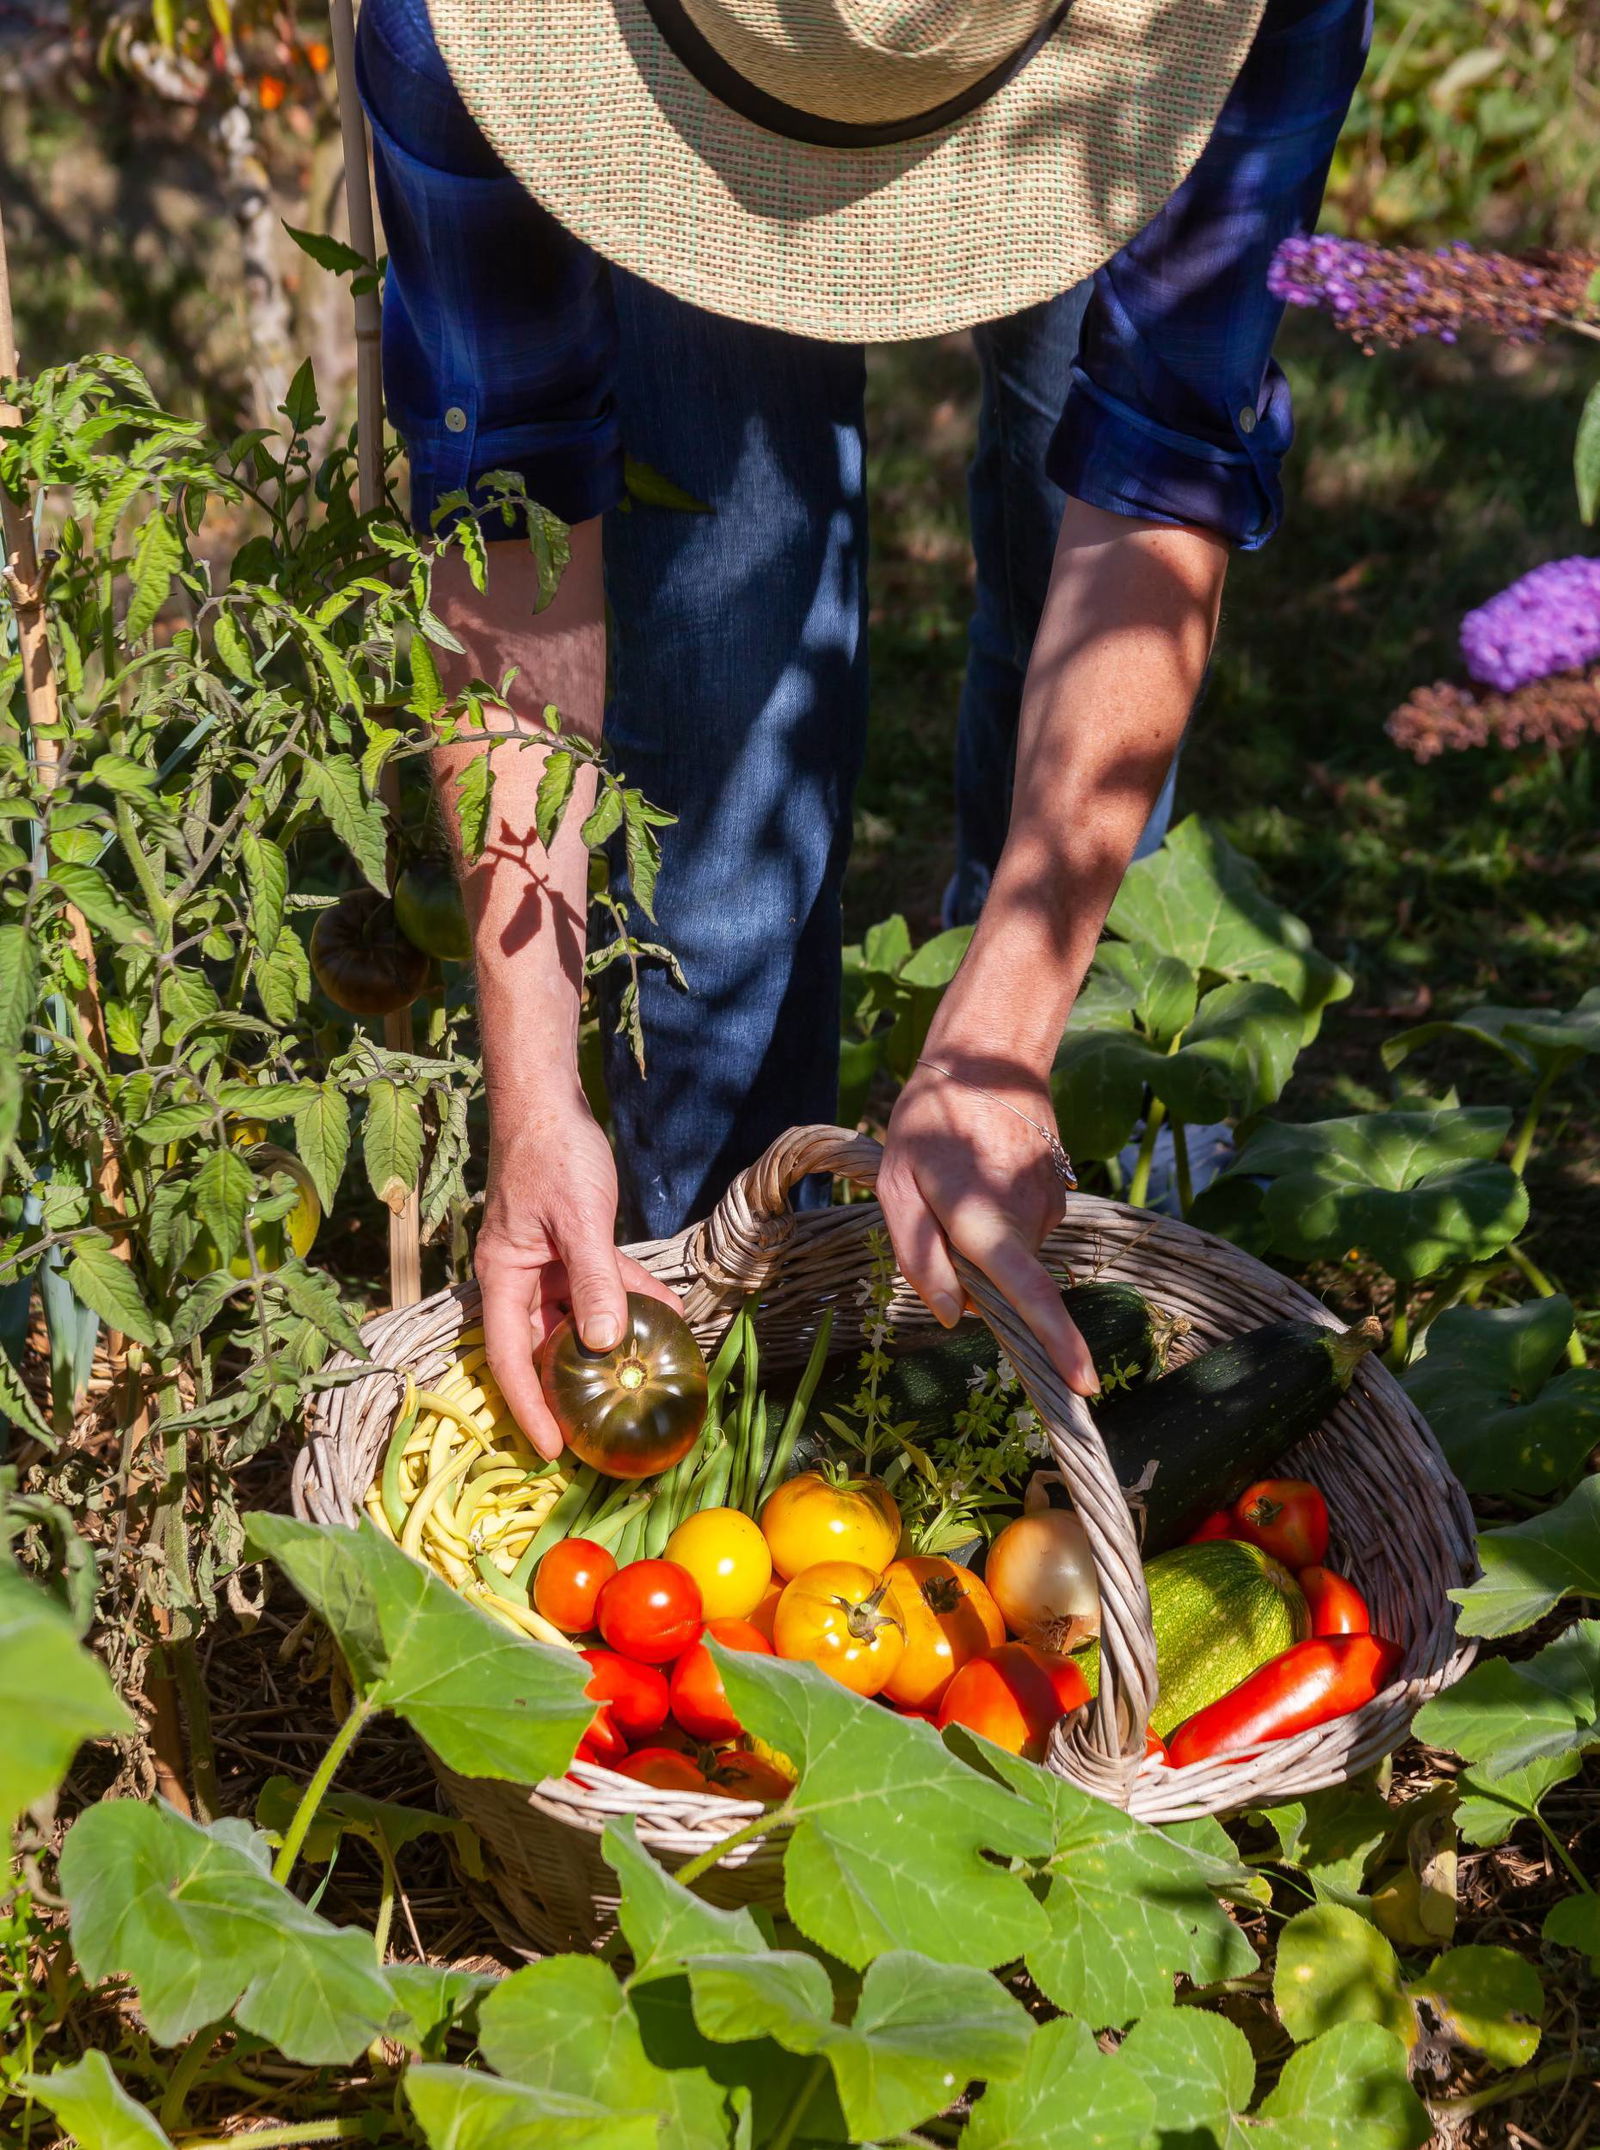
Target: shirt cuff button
x=1247, y=419
x=455, y=419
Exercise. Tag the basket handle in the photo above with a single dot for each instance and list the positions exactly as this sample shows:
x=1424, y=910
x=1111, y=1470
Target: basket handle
x=1102, y=1747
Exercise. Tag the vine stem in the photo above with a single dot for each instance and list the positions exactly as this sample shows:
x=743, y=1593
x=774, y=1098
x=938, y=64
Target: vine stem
x=1180, y=1158
x=1530, y=1123
x=1138, y=1191
x=790, y=2126
x=1563, y=1854
x=763, y=1825
x=1400, y=1330
x=182, y=2079
x=303, y=2131
x=314, y=1794
x=1576, y=1355
x=1511, y=2086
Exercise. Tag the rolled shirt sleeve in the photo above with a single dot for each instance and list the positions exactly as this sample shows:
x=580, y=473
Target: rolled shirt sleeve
x=499, y=335
x=1177, y=410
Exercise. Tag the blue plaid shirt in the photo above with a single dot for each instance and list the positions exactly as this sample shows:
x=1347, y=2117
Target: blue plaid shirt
x=499, y=337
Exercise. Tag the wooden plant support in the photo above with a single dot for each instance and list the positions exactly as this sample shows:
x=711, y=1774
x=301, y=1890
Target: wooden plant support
x=405, y=1224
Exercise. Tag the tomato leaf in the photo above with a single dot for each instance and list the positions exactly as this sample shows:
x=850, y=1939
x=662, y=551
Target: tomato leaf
x=315, y=1298
x=94, y=2109
x=88, y=888
x=322, y=1137
x=333, y=782
x=1335, y=1967
x=1528, y=1567
x=1507, y=1421
x=1200, y=900
x=565, y=2026
x=663, y=1922
x=223, y=1187
x=391, y=1142
x=487, y=1703
x=555, y=788
x=283, y=979
x=266, y=880
x=474, y=796
x=1415, y=1190
x=891, y=1828
x=1502, y=1717
x=1128, y=1908
x=99, y=1276
x=920, y=2032
x=1487, y=1998
x=157, y=557
x=53, y=1694
x=1069, y=2096
x=191, y=1916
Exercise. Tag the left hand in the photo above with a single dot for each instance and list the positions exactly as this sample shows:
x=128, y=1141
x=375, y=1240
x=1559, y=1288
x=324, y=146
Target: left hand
x=961, y=1172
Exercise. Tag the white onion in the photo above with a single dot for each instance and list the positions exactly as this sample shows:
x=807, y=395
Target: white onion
x=1041, y=1575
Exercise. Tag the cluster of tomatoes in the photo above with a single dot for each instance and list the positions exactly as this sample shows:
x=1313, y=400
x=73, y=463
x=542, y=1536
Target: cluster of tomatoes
x=816, y=1580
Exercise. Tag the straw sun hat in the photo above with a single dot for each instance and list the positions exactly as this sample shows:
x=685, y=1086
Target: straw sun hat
x=851, y=169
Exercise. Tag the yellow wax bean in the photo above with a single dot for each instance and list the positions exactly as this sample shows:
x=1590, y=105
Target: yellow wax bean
x=519, y=1615
x=374, y=1507
x=422, y=1506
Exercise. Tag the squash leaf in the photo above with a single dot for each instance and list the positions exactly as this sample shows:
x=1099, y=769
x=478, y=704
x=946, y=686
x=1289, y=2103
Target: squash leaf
x=1502, y=1717
x=1069, y=2096
x=53, y=1694
x=1506, y=1420
x=1528, y=1567
x=94, y=2109
x=1542, y=1042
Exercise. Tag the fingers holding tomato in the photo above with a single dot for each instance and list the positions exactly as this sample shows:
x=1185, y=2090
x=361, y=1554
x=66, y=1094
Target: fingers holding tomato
x=636, y=1409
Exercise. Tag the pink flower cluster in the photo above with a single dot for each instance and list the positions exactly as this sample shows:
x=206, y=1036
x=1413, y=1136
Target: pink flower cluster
x=1393, y=294
x=1447, y=719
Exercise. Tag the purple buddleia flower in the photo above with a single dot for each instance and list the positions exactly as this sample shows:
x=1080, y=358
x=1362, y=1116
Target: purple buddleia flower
x=1547, y=621
x=1393, y=294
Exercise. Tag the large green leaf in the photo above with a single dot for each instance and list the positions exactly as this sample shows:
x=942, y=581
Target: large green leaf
x=1502, y=1716
x=1575, y=1923
x=487, y=1703
x=1490, y=1999
x=1489, y=1807
x=1485, y=1386
x=94, y=2109
x=565, y=2025
x=1335, y=1967
x=1528, y=1567
x=464, y=2109
x=1069, y=2096
x=1543, y=1042
x=53, y=1694
x=223, y=1189
x=431, y=2000
x=192, y=1917
x=1200, y=900
x=891, y=1829
x=1348, y=2087
x=1235, y=1058
x=664, y=1923
x=1165, y=991
x=1333, y=1836
x=1417, y=1191
x=1129, y=1908
x=920, y=2031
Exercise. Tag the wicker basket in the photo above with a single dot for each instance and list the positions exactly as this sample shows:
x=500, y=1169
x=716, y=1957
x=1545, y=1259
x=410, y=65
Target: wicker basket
x=1401, y=1526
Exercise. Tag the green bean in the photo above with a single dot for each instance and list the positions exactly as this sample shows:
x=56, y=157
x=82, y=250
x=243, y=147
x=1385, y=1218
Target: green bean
x=729, y=1352
x=712, y=1487
x=611, y=1527
x=656, y=1530
x=627, y=1545
x=783, y=1454
x=587, y=1491
x=752, y=1462
x=394, y=1506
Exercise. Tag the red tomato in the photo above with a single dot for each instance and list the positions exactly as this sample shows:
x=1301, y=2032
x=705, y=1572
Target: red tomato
x=1219, y=1524
x=1309, y=1685
x=1013, y=1695
x=604, y=1741
x=1154, y=1744
x=634, y=1695
x=665, y=1768
x=1286, y=1517
x=1337, y=1606
x=699, y=1699
x=650, y=1610
x=747, y=1776
x=567, y=1582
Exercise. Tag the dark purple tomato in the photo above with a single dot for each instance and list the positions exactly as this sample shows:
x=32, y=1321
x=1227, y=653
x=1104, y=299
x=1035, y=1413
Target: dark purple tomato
x=633, y=1410
x=362, y=960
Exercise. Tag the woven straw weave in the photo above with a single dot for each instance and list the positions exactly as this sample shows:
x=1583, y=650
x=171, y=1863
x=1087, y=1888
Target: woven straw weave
x=1401, y=1526
x=592, y=113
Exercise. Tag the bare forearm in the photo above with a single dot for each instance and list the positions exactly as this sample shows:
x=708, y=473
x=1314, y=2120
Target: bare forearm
x=1121, y=650
x=527, y=905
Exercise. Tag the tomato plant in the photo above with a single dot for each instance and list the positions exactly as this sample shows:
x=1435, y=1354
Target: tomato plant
x=361, y=958
x=814, y=1517
x=636, y=1409
x=650, y=1610
x=430, y=912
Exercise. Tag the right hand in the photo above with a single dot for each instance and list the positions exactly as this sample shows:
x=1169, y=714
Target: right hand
x=547, y=1248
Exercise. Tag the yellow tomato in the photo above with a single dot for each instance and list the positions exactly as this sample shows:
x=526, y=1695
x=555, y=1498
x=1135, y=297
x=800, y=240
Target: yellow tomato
x=727, y=1556
x=273, y=1242
x=834, y=1615
x=948, y=1616
x=810, y=1518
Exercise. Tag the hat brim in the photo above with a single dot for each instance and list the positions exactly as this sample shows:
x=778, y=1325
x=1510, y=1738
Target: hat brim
x=599, y=120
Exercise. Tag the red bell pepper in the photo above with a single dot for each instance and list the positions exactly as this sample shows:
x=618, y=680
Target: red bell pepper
x=1309, y=1685
x=1286, y=1517
x=1337, y=1606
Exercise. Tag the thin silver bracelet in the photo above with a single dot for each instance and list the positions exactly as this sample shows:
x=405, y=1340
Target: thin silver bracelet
x=1052, y=1141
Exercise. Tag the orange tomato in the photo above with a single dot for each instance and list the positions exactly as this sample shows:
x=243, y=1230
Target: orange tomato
x=763, y=1615
x=812, y=1518
x=663, y=1767
x=948, y=1616
x=834, y=1614
x=748, y=1776
x=699, y=1699
x=1013, y=1696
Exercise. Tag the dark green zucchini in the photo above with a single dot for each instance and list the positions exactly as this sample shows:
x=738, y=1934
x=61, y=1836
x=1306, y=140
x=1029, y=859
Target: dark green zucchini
x=930, y=1383
x=1192, y=1441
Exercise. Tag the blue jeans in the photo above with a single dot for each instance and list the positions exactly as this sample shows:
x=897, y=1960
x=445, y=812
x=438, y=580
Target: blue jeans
x=739, y=703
